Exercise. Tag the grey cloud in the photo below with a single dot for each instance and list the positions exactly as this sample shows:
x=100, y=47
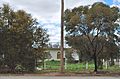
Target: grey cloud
x=40, y=7
x=44, y=8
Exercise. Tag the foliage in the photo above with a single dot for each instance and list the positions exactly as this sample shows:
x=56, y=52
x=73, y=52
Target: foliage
x=68, y=55
x=17, y=30
x=89, y=29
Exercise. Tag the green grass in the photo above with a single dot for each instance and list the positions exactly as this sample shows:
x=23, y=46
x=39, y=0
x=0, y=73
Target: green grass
x=114, y=68
x=54, y=66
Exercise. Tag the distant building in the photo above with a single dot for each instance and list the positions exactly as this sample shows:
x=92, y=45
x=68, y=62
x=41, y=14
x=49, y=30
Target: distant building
x=55, y=53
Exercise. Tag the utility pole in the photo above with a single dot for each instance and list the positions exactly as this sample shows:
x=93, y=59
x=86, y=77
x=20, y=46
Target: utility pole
x=62, y=36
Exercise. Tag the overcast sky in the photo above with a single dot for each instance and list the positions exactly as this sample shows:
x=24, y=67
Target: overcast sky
x=48, y=11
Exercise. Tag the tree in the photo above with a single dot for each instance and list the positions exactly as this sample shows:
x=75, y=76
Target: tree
x=17, y=29
x=110, y=51
x=68, y=55
x=92, y=26
x=40, y=43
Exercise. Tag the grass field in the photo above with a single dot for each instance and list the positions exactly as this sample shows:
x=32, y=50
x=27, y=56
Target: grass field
x=54, y=66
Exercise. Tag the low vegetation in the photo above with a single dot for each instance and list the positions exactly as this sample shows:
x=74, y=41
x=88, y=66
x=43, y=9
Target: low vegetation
x=54, y=66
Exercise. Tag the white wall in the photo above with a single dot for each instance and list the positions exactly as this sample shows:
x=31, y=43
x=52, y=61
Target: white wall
x=54, y=54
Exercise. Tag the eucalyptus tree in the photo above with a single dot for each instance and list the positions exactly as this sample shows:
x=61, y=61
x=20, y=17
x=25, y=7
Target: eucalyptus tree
x=90, y=27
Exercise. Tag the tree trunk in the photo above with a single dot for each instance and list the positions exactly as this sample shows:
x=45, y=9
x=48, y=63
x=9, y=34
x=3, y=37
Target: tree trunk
x=112, y=61
x=100, y=64
x=43, y=64
x=35, y=63
x=95, y=62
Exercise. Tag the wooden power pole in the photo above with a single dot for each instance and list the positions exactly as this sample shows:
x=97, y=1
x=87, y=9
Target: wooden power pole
x=62, y=36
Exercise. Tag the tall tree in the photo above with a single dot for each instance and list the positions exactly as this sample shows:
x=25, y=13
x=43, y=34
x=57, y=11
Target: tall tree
x=17, y=29
x=95, y=24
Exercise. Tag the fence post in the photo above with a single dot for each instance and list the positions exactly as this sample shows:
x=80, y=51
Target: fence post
x=87, y=65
